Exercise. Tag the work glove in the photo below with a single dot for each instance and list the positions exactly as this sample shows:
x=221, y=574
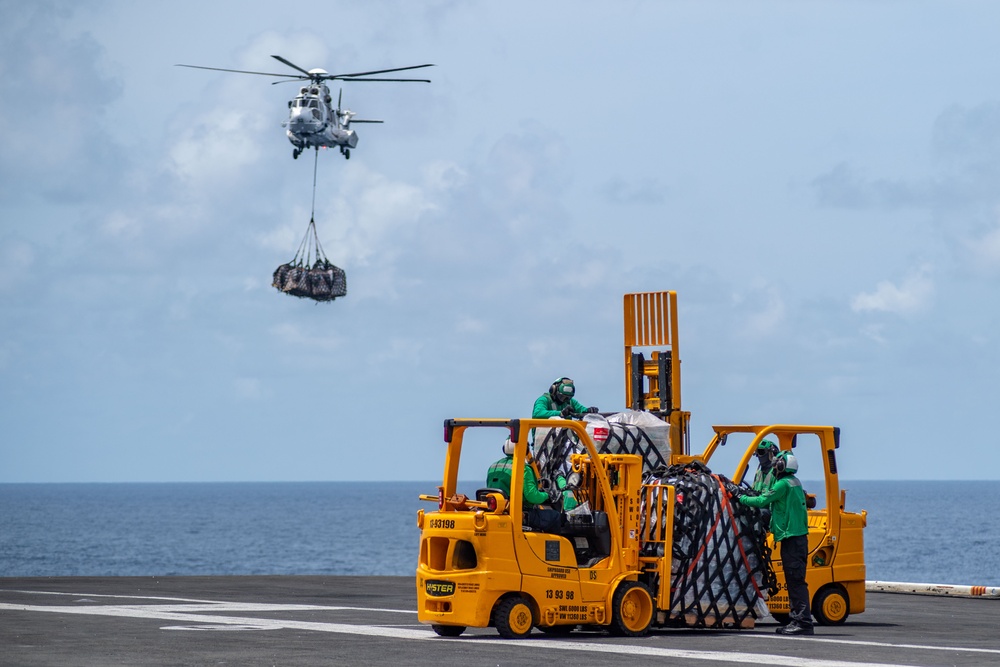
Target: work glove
x=566, y=412
x=592, y=410
x=555, y=497
x=733, y=490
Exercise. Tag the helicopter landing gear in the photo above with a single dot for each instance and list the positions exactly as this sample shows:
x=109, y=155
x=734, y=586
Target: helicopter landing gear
x=295, y=153
x=346, y=152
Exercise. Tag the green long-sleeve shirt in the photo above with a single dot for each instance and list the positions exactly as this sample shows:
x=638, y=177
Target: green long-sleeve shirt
x=787, y=500
x=498, y=477
x=545, y=407
x=763, y=480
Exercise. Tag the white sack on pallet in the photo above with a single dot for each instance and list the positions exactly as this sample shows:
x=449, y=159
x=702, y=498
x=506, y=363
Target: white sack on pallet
x=657, y=430
x=629, y=432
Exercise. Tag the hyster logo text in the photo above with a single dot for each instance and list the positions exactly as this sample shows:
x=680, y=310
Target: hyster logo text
x=439, y=588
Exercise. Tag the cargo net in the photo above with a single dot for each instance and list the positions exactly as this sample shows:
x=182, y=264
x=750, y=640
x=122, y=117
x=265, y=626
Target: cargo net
x=721, y=565
x=629, y=439
x=554, y=446
x=310, y=275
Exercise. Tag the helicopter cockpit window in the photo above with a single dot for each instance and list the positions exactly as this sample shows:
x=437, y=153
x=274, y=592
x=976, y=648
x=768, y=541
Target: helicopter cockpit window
x=313, y=104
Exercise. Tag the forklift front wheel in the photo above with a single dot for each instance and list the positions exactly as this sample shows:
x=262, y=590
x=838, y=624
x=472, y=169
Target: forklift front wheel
x=448, y=630
x=512, y=618
x=831, y=606
x=631, y=610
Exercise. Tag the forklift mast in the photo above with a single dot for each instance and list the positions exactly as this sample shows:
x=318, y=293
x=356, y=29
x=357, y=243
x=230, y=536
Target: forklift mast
x=654, y=384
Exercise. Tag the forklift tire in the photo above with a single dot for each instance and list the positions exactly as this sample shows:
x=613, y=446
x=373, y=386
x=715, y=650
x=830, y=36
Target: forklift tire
x=512, y=618
x=831, y=606
x=631, y=610
x=448, y=630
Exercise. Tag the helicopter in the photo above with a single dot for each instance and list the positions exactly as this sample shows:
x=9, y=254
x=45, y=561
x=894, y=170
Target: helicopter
x=313, y=121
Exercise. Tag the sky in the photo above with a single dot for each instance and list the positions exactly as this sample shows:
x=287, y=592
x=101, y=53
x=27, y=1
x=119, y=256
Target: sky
x=819, y=182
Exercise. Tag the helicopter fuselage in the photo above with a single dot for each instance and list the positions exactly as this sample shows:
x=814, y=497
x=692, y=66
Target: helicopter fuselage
x=313, y=122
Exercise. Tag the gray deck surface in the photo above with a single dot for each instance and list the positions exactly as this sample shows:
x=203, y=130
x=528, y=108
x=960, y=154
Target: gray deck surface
x=313, y=620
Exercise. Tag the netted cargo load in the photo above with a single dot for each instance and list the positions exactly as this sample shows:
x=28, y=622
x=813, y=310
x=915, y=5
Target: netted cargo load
x=721, y=569
x=638, y=432
x=553, y=449
x=310, y=275
x=629, y=432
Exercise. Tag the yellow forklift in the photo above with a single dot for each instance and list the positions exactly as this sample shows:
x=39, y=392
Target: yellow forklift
x=479, y=566
x=835, y=570
x=836, y=566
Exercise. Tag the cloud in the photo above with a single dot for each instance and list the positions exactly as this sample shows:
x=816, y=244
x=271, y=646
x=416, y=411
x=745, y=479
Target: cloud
x=251, y=389
x=54, y=139
x=645, y=191
x=763, y=310
x=964, y=169
x=290, y=335
x=16, y=261
x=986, y=249
x=912, y=295
x=845, y=186
x=968, y=136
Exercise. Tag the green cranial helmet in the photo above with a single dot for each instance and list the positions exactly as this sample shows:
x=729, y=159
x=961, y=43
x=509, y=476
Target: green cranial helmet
x=562, y=390
x=766, y=449
x=785, y=462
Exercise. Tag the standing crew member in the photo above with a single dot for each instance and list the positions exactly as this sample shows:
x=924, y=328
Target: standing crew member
x=790, y=526
x=498, y=477
x=762, y=481
x=558, y=401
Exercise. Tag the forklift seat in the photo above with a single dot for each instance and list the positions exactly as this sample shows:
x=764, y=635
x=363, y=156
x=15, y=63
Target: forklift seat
x=591, y=536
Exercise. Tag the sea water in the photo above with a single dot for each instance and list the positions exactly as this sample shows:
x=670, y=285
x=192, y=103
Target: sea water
x=927, y=532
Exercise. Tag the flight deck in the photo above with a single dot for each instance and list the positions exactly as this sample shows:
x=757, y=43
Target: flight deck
x=339, y=620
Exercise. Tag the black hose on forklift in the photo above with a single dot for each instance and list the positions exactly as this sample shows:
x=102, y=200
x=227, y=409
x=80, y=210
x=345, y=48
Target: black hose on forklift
x=721, y=565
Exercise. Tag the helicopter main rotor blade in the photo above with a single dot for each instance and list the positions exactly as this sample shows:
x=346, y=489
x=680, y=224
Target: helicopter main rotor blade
x=238, y=71
x=396, y=80
x=382, y=71
x=292, y=65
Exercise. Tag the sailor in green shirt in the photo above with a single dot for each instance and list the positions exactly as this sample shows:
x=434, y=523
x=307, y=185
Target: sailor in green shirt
x=762, y=481
x=499, y=476
x=558, y=401
x=790, y=526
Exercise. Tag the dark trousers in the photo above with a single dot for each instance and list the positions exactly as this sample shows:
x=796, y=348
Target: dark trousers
x=794, y=551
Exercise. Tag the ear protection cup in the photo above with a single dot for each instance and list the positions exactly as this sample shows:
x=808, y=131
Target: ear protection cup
x=786, y=461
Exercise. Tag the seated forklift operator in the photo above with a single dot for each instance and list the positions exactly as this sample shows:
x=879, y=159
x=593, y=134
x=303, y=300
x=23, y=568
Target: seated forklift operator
x=543, y=519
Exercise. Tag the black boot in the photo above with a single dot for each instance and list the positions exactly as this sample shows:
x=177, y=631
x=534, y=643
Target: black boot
x=795, y=629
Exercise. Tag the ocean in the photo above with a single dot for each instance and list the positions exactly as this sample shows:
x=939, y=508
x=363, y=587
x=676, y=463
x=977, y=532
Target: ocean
x=926, y=532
